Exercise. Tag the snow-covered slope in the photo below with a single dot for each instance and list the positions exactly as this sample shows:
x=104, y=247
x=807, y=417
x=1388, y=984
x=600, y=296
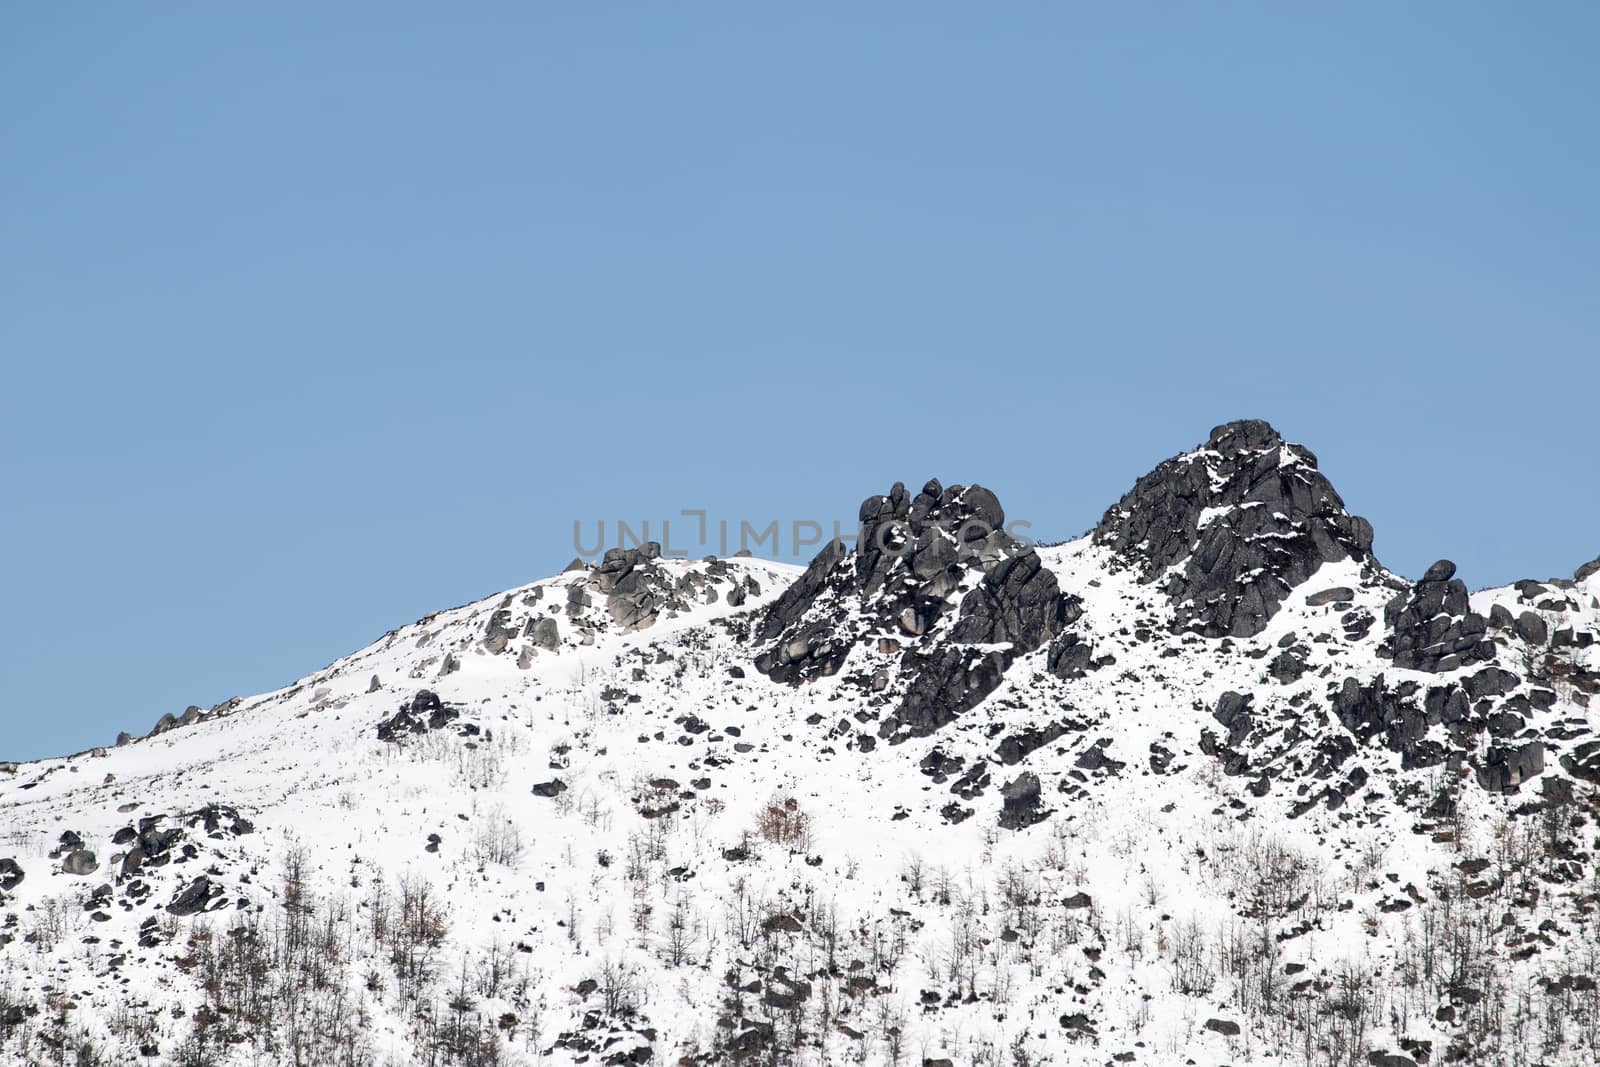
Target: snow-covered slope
x=1208, y=785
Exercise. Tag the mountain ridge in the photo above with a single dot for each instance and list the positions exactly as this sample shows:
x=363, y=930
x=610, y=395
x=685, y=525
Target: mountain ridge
x=946, y=794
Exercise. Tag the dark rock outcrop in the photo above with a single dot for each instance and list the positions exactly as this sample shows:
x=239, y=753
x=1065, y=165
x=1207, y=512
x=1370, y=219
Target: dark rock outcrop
x=1392, y=715
x=1244, y=520
x=1433, y=628
x=898, y=589
x=80, y=862
x=11, y=874
x=195, y=897
x=1233, y=712
x=1022, y=806
x=1503, y=770
x=421, y=713
x=1587, y=571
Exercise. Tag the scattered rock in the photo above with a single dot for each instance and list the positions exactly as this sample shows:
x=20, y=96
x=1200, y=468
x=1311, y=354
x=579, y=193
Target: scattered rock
x=421, y=713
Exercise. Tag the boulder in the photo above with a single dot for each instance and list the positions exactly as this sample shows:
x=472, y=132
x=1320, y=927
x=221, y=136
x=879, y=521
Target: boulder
x=545, y=632
x=195, y=897
x=1233, y=712
x=1021, y=796
x=1389, y=1059
x=11, y=874
x=80, y=862
x=1286, y=667
x=1441, y=571
x=1504, y=769
x=1532, y=629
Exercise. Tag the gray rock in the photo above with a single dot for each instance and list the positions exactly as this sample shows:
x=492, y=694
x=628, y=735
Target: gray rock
x=1532, y=629
x=1070, y=656
x=80, y=862
x=500, y=631
x=1377, y=712
x=1505, y=769
x=1233, y=712
x=1441, y=571
x=195, y=897
x=1588, y=570
x=554, y=787
x=11, y=874
x=1225, y=1027
x=1389, y=1059
x=1022, y=805
x=545, y=632
x=1287, y=667
x=1339, y=594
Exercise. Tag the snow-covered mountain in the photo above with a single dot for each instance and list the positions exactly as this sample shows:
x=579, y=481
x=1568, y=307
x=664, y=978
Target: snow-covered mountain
x=1207, y=785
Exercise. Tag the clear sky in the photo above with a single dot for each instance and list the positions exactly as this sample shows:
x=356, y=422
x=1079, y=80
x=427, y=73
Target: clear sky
x=317, y=317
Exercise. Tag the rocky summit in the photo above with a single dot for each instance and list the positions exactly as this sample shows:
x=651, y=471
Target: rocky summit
x=1209, y=784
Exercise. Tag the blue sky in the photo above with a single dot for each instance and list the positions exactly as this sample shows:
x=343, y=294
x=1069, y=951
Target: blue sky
x=315, y=318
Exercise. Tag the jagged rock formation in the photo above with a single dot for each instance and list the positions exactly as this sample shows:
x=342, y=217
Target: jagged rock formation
x=936, y=574
x=1433, y=628
x=1230, y=529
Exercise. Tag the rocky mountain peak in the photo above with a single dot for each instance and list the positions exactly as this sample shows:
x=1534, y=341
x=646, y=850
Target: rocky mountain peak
x=1231, y=527
x=1243, y=435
